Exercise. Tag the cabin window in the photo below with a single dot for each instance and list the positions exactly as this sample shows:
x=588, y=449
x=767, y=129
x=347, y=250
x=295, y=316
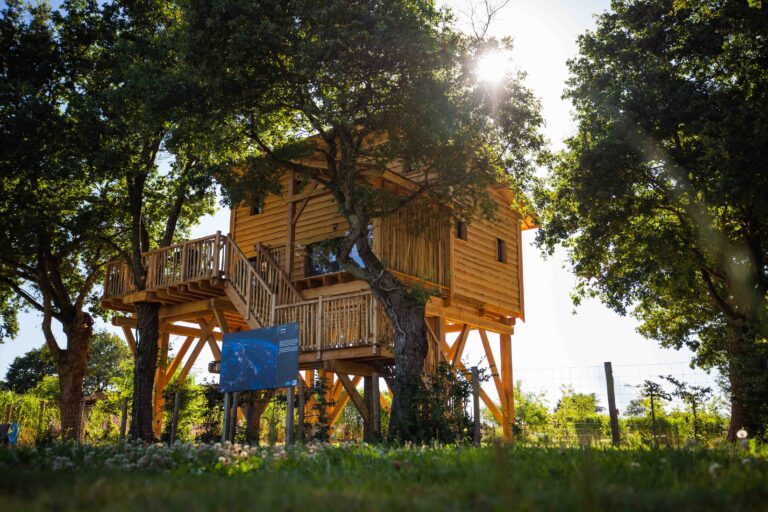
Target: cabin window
x=256, y=208
x=461, y=230
x=501, y=250
x=322, y=257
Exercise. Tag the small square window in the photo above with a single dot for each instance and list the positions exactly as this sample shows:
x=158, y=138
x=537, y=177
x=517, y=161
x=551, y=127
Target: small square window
x=256, y=209
x=501, y=250
x=461, y=230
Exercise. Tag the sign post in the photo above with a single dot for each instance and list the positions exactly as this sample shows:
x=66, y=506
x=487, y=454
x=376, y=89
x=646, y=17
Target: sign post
x=257, y=359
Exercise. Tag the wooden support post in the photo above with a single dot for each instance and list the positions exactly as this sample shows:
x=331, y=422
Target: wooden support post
x=476, y=405
x=302, y=404
x=508, y=411
x=375, y=407
x=612, y=412
x=290, y=225
x=225, y=419
x=158, y=401
x=351, y=390
x=492, y=367
x=178, y=357
x=289, y=440
x=458, y=347
x=233, y=417
x=123, y=418
x=175, y=418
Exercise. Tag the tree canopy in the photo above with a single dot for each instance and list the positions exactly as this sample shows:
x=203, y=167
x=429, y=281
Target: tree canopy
x=661, y=196
x=335, y=92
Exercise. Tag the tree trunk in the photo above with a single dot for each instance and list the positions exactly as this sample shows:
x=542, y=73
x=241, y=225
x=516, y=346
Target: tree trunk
x=148, y=323
x=407, y=317
x=748, y=382
x=71, y=365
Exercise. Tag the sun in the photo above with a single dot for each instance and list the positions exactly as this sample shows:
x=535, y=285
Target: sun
x=493, y=66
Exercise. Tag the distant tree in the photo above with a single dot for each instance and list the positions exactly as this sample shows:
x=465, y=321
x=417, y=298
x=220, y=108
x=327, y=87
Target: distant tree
x=26, y=371
x=372, y=82
x=654, y=393
x=693, y=396
x=531, y=412
x=661, y=198
x=109, y=354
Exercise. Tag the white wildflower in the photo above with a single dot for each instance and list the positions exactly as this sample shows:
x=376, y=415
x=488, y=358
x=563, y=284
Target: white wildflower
x=713, y=469
x=741, y=434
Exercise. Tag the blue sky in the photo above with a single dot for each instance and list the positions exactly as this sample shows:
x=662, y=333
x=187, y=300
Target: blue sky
x=554, y=336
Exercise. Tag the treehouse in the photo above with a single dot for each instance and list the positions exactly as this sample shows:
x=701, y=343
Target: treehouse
x=276, y=265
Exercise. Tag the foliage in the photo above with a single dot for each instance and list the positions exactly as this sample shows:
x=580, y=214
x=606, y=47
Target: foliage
x=334, y=92
x=54, y=207
x=531, y=413
x=27, y=370
x=107, y=354
x=661, y=196
x=83, y=478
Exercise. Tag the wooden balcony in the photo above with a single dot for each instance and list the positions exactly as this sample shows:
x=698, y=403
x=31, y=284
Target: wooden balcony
x=213, y=272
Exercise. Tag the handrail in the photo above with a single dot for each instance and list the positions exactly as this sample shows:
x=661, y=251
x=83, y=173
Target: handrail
x=287, y=293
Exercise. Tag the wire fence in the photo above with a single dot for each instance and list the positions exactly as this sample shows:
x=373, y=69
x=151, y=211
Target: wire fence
x=553, y=406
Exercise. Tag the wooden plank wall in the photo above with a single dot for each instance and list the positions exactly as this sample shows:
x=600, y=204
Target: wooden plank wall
x=477, y=273
x=478, y=276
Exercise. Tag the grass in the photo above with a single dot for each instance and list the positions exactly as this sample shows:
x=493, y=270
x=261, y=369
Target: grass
x=371, y=479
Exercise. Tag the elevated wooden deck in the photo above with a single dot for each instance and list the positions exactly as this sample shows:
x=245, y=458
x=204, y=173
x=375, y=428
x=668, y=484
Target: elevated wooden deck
x=210, y=282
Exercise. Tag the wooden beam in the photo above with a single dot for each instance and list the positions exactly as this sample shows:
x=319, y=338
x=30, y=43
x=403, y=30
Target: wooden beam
x=178, y=357
x=223, y=325
x=191, y=360
x=505, y=345
x=338, y=408
x=349, y=367
x=194, y=309
x=129, y=339
x=465, y=315
x=290, y=225
x=458, y=347
x=207, y=329
x=492, y=367
x=351, y=390
x=180, y=330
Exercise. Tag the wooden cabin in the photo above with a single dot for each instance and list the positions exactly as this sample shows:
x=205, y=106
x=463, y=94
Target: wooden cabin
x=274, y=267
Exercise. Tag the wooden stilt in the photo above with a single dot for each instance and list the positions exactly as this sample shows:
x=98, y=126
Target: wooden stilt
x=508, y=407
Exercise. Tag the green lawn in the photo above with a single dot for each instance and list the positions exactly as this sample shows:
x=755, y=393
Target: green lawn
x=370, y=478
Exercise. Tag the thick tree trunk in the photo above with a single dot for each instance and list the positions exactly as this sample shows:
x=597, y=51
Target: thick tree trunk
x=748, y=381
x=148, y=323
x=407, y=317
x=252, y=414
x=71, y=365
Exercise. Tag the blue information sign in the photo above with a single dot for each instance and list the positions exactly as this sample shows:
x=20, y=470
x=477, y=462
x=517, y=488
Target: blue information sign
x=265, y=358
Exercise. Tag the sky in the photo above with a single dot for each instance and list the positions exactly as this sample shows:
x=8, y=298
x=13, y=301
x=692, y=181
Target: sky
x=557, y=344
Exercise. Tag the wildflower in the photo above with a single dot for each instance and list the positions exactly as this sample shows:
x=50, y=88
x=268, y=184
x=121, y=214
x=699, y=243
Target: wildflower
x=741, y=434
x=634, y=465
x=713, y=469
x=663, y=460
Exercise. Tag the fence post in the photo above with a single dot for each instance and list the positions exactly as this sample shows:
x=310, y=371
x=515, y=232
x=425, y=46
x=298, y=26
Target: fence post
x=614, y=414
x=375, y=407
x=123, y=418
x=289, y=417
x=175, y=418
x=233, y=416
x=225, y=419
x=40, y=421
x=476, y=405
x=302, y=404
